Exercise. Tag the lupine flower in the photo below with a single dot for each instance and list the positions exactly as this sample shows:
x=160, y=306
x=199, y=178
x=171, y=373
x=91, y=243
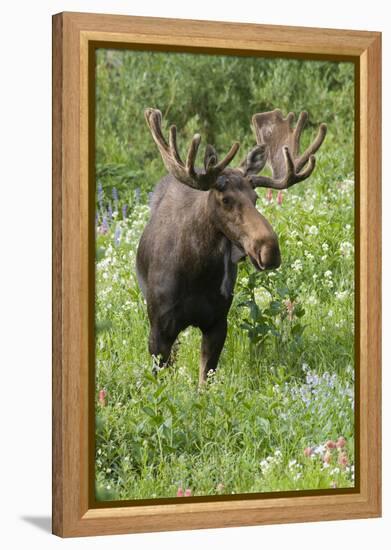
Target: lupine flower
x=117, y=235
x=280, y=198
x=137, y=193
x=341, y=442
x=124, y=211
x=102, y=397
x=103, y=229
x=115, y=194
x=180, y=492
x=269, y=195
x=188, y=493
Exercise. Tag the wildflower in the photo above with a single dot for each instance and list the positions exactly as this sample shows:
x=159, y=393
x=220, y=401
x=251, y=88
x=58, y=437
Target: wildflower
x=313, y=230
x=137, y=193
x=102, y=397
x=328, y=274
x=327, y=457
x=325, y=247
x=269, y=195
x=343, y=460
x=333, y=484
x=341, y=442
x=331, y=444
x=308, y=255
x=124, y=210
x=180, y=492
x=280, y=198
x=297, y=265
x=220, y=487
x=290, y=306
x=308, y=451
x=188, y=493
x=117, y=235
x=103, y=229
x=115, y=194
x=346, y=248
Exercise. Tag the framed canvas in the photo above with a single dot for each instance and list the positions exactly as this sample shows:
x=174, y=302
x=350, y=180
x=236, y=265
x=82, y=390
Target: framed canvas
x=281, y=421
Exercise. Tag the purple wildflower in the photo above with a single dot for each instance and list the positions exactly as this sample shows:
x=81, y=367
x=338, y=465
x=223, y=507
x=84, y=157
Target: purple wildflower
x=137, y=193
x=103, y=229
x=117, y=235
x=124, y=211
x=115, y=194
x=110, y=212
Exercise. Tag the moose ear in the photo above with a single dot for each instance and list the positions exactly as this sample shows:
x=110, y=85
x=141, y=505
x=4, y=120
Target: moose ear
x=210, y=158
x=255, y=160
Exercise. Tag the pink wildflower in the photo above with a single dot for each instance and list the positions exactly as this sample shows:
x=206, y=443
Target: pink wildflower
x=102, y=397
x=343, y=460
x=280, y=198
x=341, y=442
x=327, y=457
x=290, y=306
x=308, y=451
x=331, y=444
x=179, y=492
x=269, y=195
x=188, y=493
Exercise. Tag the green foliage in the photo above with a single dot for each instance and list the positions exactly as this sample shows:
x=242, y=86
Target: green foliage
x=285, y=379
x=213, y=95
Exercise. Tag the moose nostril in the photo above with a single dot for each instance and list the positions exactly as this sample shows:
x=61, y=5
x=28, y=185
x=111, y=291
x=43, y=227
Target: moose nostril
x=271, y=257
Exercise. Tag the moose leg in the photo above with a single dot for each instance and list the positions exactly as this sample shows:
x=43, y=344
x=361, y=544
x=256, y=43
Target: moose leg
x=160, y=345
x=212, y=343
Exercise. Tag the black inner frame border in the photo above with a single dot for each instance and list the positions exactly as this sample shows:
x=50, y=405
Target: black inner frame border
x=92, y=47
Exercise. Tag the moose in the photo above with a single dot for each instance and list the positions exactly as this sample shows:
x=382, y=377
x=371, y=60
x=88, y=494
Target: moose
x=204, y=221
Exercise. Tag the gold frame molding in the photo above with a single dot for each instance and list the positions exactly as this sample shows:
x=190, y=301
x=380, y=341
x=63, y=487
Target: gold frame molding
x=75, y=35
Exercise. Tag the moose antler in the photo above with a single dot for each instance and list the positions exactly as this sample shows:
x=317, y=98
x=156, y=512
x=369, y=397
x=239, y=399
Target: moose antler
x=185, y=172
x=283, y=143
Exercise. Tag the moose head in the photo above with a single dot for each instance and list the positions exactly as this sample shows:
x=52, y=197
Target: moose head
x=231, y=191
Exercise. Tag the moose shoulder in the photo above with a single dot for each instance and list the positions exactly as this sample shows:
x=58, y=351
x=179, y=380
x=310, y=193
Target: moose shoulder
x=203, y=222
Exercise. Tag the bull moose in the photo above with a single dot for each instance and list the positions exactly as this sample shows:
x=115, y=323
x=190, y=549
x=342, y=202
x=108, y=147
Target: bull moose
x=204, y=221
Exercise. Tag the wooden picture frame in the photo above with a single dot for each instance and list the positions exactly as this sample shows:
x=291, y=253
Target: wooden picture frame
x=75, y=35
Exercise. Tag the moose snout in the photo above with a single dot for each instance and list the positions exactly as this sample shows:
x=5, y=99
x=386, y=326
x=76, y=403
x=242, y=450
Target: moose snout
x=265, y=253
x=270, y=256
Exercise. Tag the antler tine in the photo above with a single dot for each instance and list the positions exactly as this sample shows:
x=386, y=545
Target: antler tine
x=313, y=147
x=192, y=154
x=291, y=178
x=219, y=167
x=283, y=144
x=173, y=144
x=185, y=173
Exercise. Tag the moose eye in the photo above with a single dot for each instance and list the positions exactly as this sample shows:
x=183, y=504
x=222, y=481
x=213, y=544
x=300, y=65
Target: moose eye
x=226, y=201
